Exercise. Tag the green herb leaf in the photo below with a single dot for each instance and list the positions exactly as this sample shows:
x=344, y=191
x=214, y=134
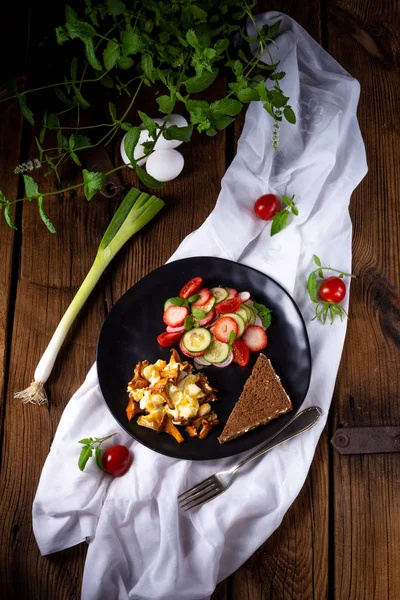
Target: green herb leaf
x=178, y=133
x=91, y=55
x=198, y=313
x=231, y=338
x=99, y=454
x=193, y=298
x=189, y=322
x=86, y=441
x=31, y=187
x=61, y=35
x=176, y=301
x=84, y=456
x=27, y=113
x=132, y=43
x=8, y=216
x=198, y=13
x=248, y=95
x=165, y=104
x=75, y=158
x=44, y=217
x=93, y=182
x=317, y=260
x=115, y=7
x=113, y=111
x=130, y=142
x=149, y=124
x=277, y=76
x=111, y=54
x=201, y=82
x=125, y=63
x=147, y=179
x=191, y=38
x=226, y=106
x=279, y=221
x=126, y=126
x=53, y=122
x=312, y=286
x=289, y=115
x=147, y=66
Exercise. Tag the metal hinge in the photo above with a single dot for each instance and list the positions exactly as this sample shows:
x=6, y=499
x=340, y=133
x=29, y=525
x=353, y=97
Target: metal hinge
x=366, y=440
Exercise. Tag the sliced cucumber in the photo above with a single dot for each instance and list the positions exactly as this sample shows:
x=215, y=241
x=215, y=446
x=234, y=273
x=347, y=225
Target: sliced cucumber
x=251, y=317
x=239, y=320
x=242, y=313
x=197, y=339
x=207, y=306
x=217, y=352
x=219, y=293
x=172, y=302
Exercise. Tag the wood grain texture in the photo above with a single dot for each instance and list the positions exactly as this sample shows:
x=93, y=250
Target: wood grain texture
x=364, y=38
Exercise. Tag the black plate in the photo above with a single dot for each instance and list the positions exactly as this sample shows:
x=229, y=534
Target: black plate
x=129, y=335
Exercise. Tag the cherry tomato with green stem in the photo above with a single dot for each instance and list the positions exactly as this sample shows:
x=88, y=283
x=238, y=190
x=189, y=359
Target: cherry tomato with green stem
x=116, y=460
x=332, y=289
x=267, y=206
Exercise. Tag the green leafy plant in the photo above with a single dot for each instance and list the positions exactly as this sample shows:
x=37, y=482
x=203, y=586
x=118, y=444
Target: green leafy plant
x=324, y=309
x=175, y=47
x=91, y=445
x=264, y=313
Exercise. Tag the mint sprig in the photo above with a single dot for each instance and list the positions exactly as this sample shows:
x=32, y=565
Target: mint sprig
x=264, y=313
x=91, y=445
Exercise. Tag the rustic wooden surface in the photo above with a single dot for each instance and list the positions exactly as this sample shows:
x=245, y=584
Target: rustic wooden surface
x=340, y=537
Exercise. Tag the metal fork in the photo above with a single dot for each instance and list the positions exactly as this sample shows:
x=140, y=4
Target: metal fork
x=214, y=485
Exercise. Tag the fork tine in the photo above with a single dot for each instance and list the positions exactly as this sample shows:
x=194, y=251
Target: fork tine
x=198, y=486
x=200, y=492
x=216, y=492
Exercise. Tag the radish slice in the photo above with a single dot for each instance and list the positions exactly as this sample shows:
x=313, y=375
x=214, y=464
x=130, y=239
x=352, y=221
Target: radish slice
x=226, y=362
x=208, y=318
x=197, y=365
x=244, y=296
x=258, y=323
x=202, y=361
x=231, y=293
x=175, y=329
x=212, y=323
x=255, y=338
x=187, y=353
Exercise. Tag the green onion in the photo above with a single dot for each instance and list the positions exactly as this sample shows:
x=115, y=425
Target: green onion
x=135, y=211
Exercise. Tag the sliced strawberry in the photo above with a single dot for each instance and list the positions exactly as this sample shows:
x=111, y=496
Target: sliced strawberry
x=255, y=338
x=241, y=353
x=205, y=295
x=190, y=288
x=207, y=319
x=169, y=339
x=223, y=328
x=232, y=293
x=228, y=306
x=174, y=316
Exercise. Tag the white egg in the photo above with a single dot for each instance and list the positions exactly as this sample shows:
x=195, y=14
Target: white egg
x=139, y=150
x=162, y=143
x=177, y=120
x=165, y=165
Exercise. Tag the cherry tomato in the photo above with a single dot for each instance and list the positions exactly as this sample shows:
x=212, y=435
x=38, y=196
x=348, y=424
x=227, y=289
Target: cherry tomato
x=332, y=289
x=167, y=339
x=191, y=287
x=228, y=306
x=116, y=460
x=267, y=206
x=241, y=353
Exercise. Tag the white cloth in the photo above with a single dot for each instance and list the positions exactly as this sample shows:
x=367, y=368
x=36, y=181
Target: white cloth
x=140, y=545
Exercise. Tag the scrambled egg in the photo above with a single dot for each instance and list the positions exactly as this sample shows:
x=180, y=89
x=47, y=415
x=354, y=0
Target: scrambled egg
x=153, y=389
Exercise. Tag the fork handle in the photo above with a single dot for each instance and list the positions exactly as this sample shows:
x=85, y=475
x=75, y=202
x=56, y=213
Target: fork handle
x=301, y=422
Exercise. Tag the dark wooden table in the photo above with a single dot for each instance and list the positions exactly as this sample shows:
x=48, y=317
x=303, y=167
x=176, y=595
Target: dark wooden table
x=340, y=539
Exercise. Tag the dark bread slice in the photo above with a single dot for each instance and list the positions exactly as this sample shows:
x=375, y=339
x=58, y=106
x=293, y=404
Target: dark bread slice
x=262, y=399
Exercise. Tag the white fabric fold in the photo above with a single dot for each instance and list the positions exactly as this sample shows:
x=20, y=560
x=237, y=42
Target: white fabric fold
x=140, y=545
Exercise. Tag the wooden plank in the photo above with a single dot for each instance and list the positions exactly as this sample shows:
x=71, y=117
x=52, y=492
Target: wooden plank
x=363, y=37
x=293, y=563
